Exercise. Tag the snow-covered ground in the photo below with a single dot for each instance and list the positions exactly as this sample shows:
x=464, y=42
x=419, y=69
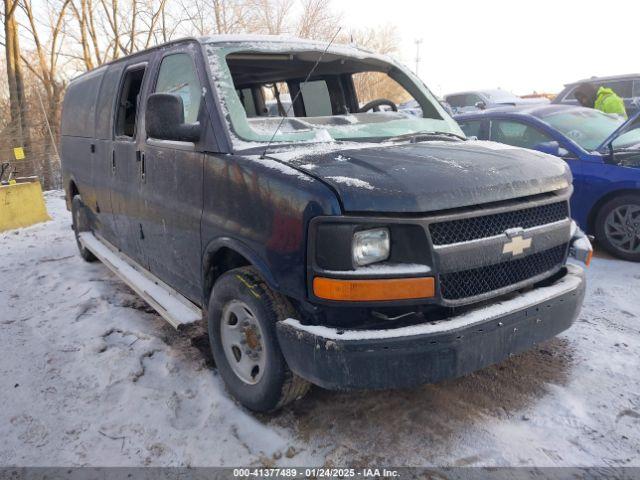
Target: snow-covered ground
x=91, y=376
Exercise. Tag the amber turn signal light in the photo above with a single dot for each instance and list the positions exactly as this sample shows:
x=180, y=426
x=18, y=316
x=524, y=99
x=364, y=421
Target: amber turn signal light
x=373, y=289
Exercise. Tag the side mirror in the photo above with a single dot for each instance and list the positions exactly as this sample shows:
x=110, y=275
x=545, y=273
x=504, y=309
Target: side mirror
x=481, y=105
x=164, y=119
x=552, y=148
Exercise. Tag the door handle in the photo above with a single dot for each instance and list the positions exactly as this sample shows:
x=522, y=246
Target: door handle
x=113, y=162
x=140, y=157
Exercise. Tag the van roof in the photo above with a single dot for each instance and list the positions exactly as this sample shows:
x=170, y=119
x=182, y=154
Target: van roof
x=258, y=39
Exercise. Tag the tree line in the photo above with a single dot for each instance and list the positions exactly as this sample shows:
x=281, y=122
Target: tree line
x=48, y=42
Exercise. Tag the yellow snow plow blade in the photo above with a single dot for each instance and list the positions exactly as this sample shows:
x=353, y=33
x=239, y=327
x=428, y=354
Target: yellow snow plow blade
x=21, y=204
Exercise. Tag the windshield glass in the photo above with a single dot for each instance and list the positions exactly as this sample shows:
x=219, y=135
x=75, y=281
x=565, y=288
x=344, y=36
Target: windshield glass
x=351, y=95
x=499, y=96
x=589, y=128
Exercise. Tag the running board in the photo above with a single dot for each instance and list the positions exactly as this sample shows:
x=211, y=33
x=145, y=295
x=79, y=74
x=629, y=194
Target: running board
x=171, y=305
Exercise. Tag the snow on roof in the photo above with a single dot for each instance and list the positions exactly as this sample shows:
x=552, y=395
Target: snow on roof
x=244, y=38
x=287, y=42
x=284, y=42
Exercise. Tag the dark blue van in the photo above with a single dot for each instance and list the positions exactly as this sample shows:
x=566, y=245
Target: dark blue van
x=335, y=239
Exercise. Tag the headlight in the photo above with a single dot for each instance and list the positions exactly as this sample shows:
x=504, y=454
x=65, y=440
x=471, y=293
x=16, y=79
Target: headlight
x=371, y=246
x=580, y=248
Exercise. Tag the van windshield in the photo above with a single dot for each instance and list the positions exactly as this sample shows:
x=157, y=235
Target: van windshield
x=351, y=95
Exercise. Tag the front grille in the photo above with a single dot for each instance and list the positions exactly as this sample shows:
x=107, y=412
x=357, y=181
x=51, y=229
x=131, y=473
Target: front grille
x=469, y=283
x=466, y=229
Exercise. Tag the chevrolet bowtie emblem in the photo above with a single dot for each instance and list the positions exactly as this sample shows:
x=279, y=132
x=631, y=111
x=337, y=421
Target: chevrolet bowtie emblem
x=516, y=245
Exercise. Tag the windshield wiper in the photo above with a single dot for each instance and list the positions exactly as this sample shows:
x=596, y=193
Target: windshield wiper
x=414, y=137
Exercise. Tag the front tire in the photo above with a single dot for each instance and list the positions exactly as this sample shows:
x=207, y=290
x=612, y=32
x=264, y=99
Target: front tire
x=80, y=217
x=242, y=318
x=618, y=227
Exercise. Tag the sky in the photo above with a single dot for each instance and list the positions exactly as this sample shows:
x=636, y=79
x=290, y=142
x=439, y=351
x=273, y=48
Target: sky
x=518, y=45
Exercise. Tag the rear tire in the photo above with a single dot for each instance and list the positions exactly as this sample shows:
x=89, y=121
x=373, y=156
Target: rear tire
x=617, y=227
x=242, y=318
x=80, y=216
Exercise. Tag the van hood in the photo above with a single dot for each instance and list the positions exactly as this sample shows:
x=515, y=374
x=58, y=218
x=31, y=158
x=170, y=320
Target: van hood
x=430, y=176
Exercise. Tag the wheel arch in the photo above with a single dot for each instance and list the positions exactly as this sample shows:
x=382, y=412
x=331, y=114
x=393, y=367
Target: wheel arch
x=72, y=191
x=593, y=212
x=224, y=254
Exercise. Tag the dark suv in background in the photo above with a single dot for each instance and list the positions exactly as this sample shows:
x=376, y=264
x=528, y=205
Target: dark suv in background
x=626, y=86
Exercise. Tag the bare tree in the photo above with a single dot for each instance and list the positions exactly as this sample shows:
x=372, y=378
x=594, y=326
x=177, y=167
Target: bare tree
x=267, y=16
x=317, y=20
x=45, y=70
x=15, y=77
x=373, y=85
x=80, y=35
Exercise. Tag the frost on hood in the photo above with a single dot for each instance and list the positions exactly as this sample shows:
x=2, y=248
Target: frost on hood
x=281, y=167
x=352, y=182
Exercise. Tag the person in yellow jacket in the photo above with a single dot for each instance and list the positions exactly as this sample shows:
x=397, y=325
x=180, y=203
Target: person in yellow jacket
x=603, y=99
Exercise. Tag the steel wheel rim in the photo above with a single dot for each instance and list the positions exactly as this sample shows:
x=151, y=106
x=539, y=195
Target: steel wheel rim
x=622, y=228
x=242, y=343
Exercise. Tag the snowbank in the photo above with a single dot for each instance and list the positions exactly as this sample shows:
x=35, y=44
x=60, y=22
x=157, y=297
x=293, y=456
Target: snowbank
x=91, y=376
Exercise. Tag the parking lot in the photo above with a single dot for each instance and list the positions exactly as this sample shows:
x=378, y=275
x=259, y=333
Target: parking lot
x=92, y=376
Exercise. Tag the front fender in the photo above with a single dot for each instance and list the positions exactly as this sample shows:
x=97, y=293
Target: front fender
x=240, y=248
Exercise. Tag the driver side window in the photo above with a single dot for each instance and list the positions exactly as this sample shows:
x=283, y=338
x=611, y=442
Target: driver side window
x=178, y=76
x=517, y=134
x=371, y=86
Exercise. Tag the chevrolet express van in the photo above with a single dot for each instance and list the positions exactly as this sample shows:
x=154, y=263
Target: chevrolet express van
x=332, y=240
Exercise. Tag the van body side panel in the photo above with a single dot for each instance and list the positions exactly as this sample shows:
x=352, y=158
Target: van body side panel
x=125, y=193
x=268, y=206
x=77, y=135
x=170, y=216
x=171, y=188
x=124, y=199
x=103, y=174
x=77, y=166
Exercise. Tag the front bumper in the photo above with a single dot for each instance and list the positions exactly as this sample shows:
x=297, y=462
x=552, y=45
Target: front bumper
x=432, y=351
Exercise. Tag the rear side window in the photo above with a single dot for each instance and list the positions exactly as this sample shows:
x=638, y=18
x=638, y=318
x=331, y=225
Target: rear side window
x=79, y=108
x=178, y=76
x=517, y=134
x=106, y=100
x=623, y=88
x=128, y=102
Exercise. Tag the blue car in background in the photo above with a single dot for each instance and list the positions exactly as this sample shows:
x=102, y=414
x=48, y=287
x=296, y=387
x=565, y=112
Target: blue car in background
x=603, y=152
